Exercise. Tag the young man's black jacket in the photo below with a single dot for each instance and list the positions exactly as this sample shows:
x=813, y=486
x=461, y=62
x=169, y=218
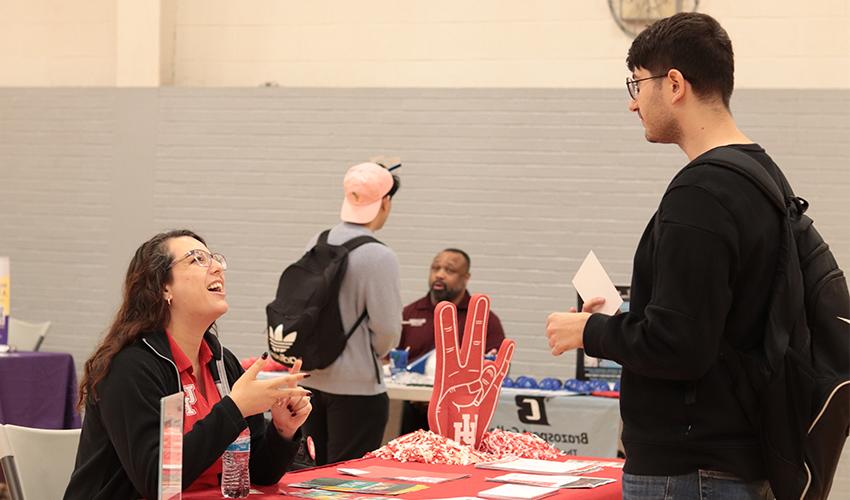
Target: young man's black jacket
x=118, y=456
x=703, y=272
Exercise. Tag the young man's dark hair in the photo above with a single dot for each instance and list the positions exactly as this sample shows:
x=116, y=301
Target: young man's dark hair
x=396, y=186
x=693, y=43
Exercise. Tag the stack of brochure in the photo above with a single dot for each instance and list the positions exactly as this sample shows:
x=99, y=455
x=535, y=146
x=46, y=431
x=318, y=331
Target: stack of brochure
x=549, y=481
x=517, y=492
x=548, y=473
x=358, y=486
x=402, y=474
x=535, y=466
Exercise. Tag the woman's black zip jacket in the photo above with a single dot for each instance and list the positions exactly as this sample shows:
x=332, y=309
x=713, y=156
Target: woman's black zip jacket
x=118, y=456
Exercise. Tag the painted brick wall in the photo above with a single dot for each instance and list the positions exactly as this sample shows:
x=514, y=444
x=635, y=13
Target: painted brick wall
x=527, y=181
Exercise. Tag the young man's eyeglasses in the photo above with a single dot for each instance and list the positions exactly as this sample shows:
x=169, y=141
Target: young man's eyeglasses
x=202, y=258
x=632, y=84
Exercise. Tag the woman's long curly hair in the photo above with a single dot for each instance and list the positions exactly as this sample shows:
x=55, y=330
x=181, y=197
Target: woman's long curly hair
x=143, y=309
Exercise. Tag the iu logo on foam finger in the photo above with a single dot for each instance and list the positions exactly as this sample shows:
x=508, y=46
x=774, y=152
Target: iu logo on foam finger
x=466, y=387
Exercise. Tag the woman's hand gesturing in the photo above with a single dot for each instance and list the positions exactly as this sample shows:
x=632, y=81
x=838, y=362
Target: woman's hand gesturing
x=254, y=396
x=290, y=413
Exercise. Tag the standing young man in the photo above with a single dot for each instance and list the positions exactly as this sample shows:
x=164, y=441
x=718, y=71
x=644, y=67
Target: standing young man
x=350, y=403
x=703, y=273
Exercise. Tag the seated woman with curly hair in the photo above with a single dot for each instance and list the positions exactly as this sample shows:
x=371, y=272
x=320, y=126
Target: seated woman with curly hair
x=163, y=341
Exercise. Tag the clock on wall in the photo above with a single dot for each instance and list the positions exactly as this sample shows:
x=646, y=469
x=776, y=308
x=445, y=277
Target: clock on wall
x=632, y=16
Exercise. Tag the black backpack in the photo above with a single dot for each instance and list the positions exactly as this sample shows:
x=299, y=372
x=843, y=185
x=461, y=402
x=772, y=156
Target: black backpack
x=796, y=386
x=303, y=319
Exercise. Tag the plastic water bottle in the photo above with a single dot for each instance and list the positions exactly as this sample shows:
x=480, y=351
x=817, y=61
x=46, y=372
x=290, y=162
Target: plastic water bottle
x=235, y=476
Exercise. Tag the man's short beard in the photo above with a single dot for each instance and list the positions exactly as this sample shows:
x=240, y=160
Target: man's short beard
x=668, y=133
x=444, y=294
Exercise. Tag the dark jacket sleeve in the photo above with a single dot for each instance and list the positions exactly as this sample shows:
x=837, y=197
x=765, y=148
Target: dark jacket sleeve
x=693, y=267
x=129, y=405
x=271, y=454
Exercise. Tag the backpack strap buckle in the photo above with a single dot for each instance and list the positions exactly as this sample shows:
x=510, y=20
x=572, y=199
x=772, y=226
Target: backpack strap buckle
x=796, y=207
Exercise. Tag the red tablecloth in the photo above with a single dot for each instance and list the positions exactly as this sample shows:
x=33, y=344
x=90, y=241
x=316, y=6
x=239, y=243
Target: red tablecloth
x=462, y=487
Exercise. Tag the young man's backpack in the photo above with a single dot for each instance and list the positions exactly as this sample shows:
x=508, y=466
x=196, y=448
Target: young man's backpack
x=303, y=319
x=798, y=390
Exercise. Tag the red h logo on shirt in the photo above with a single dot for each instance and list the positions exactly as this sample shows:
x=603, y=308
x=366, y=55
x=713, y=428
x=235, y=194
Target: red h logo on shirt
x=190, y=399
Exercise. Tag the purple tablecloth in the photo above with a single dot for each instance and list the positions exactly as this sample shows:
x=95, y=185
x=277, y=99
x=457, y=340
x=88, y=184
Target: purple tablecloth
x=38, y=389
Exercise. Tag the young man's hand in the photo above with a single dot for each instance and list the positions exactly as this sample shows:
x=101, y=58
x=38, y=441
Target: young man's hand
x=565, y=330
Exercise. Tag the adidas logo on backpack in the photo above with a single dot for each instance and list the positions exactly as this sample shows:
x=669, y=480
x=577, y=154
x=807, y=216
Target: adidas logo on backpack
x=279, y=344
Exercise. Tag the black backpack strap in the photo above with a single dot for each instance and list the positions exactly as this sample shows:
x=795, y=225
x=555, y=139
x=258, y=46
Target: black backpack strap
x=356, y=324
x=359, y=240
x=350, y=245
x=747, y=166
x=790, y=207
x=778, y=193
x=375, y=355
x=323, y=238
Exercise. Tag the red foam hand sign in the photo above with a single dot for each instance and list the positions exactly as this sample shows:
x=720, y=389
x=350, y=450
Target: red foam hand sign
x=466, y=386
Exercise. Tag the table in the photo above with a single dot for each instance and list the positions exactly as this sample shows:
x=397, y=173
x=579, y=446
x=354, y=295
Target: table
x=409, y=392
x=461, y=487
x=577, y=425
x=38, y=389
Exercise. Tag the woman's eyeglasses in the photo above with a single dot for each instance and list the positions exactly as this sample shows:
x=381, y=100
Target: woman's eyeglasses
x=202, y=258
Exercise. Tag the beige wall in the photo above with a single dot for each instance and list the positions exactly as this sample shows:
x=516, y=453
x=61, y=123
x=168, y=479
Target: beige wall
x=387, y=43
x=57, y=42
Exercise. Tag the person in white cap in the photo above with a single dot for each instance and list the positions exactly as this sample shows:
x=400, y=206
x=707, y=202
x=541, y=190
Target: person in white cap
x=350, y=403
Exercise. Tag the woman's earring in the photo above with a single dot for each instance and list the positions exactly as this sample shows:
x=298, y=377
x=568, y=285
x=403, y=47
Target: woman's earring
x=169, y=301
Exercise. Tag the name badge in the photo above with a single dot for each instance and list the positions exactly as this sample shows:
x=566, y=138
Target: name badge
x=414, y=322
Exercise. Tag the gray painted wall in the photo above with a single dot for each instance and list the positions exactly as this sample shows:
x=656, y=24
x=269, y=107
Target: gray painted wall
x=527, y=181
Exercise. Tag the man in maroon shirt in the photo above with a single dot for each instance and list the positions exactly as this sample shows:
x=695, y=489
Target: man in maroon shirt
x=446, y=281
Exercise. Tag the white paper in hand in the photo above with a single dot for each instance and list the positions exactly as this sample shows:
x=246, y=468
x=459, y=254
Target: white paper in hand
x=591, y=281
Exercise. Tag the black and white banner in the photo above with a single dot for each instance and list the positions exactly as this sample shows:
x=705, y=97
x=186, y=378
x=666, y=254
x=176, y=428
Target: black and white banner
x=577, y=425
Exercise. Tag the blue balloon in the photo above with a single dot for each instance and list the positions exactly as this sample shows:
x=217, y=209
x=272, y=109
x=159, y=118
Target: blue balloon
x=599, y=385
x=525, y=382
x=575, y=385
x=550, y=384
x=507, y=382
